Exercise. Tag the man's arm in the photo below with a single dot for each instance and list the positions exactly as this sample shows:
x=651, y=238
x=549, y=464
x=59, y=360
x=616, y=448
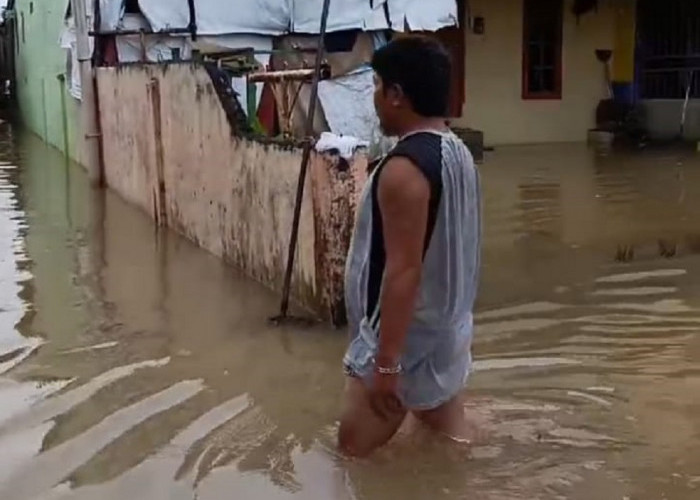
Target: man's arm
x=404, y=197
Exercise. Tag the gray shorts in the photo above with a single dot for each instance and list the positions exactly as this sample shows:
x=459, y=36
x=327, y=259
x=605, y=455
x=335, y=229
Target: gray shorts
x=430, y=378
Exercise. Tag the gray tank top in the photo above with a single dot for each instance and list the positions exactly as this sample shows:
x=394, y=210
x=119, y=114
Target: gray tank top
x=443, y=315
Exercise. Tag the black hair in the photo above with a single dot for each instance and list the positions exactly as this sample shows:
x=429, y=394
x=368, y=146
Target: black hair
x=421, y=66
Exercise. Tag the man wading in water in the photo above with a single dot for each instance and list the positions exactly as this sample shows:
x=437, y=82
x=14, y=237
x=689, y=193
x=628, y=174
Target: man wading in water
x=413, y=265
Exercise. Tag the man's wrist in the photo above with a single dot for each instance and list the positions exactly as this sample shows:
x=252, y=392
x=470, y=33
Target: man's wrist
x=386, y=359
x=391, y=370
x=385, y=363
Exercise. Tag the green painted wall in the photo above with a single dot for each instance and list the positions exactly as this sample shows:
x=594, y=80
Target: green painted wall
x=40, y=60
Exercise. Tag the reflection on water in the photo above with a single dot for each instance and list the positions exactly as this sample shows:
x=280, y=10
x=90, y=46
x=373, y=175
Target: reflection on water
x=135, y=365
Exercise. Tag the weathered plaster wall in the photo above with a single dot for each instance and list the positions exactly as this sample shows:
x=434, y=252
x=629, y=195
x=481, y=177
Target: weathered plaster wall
x=663, y=119
x=336, y=188
x=169, y=149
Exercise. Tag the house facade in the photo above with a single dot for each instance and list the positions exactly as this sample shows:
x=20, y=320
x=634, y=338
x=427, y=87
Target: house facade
x=531, y=74
x=526, y=71
x=194, y=141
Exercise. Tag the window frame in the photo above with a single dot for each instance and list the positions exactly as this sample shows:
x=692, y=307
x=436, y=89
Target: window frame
x=556, y=94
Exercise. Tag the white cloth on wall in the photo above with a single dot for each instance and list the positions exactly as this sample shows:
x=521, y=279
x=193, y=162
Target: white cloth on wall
x=158, y=47
x=256, y=42
x=343, y=144
x=68, y=40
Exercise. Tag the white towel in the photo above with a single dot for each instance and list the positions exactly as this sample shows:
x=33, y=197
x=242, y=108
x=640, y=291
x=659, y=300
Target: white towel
x=345, y=145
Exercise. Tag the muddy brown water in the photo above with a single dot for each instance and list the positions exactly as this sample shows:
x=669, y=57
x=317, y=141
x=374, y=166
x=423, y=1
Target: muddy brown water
x=134, y=365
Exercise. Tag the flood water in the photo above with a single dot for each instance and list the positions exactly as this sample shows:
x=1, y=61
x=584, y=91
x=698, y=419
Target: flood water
x=134, y=365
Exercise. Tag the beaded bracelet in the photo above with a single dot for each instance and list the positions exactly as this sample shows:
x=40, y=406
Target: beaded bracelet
x=389, y=371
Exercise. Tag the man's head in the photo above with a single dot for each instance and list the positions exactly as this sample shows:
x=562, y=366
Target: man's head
x=412, y=82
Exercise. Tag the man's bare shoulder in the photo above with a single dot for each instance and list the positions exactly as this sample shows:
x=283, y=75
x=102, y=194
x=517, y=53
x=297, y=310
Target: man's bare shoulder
x=401, y=181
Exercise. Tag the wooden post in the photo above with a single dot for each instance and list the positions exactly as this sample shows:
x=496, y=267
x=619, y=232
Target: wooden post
x=160, y=214
x=142, y=46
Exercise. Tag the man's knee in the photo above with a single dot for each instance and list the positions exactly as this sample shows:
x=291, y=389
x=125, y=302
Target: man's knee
x=352, y=437
x=361, y=430
x=351, y=442
x=443, y=418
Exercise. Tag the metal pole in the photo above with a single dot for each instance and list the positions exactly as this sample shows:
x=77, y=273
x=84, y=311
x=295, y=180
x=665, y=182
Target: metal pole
x=684, y=111
x=64, y=116
x=284, y=307
x=88, y=106
x=192, y=27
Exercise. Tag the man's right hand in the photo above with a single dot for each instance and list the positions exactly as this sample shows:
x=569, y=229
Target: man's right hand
x=383, y=396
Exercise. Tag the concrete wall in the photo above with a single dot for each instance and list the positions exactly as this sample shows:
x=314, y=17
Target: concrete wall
x=42, y=98
x=663, y=118
x=494, y=101
x=170, y=150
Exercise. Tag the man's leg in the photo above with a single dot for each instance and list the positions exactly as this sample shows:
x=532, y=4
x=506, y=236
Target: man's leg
x=362, y=431
x=450, y=420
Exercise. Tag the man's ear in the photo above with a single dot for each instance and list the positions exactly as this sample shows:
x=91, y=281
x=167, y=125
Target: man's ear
x=395, y=94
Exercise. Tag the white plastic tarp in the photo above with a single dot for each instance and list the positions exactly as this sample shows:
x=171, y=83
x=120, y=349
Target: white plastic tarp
x=111, y=12
x=343, y=15
x=277, y=17
x=348, y=105
x=216, y=17
x=369, y=15
x=422, y=15
x=158, y=47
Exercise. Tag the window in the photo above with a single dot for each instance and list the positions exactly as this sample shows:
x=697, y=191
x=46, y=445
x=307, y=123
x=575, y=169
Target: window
x=668, y=49
x=542, y=47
